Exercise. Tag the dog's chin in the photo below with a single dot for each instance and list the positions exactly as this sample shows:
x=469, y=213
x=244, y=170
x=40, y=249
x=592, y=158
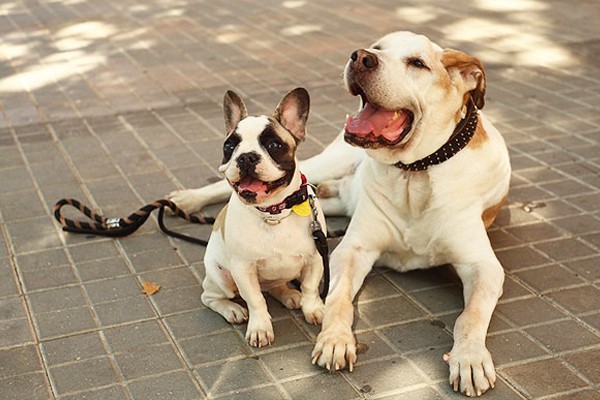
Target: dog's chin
x=252, y=190
x=375, y=127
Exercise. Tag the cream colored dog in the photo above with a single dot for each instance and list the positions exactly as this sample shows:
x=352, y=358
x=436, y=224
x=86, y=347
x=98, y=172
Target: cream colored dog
x=425, y=176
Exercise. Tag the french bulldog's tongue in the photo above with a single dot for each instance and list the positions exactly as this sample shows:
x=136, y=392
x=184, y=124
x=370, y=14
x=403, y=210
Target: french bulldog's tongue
x=375, y=121
x=252, y=185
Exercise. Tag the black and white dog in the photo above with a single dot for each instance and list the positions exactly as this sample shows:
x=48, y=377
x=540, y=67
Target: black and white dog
x=262, y=239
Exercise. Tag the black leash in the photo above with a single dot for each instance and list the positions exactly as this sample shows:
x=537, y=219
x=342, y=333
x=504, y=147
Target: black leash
x=321, y=243
x=118, y=227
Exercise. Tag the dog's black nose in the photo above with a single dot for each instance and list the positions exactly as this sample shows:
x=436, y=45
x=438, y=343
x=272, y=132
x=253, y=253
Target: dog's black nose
x=248, y=160
x=363, y=58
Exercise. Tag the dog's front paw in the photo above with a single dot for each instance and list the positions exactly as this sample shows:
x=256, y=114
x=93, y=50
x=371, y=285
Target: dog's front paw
x=471, y=369
x=260, y=331
x=187, y=200
x=335, y=348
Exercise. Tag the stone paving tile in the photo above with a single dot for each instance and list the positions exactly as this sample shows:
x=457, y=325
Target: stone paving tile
x=542, y=378
x=119, y=103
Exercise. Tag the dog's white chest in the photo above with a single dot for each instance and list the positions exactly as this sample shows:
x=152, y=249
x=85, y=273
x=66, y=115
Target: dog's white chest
x=279, y=268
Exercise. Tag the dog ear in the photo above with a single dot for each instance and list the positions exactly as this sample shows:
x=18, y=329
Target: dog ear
x=471, y=71
x=292, y=112
x=235, y=110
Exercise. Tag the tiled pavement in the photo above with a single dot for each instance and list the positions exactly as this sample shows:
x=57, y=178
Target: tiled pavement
x=118, y=103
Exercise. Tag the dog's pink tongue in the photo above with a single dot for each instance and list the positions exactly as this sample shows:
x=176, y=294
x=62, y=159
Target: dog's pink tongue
x=371, y=120
x=252, y=185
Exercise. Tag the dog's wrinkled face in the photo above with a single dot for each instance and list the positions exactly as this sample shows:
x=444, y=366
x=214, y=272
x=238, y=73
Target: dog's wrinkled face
x=412, y=92
x=259, y=152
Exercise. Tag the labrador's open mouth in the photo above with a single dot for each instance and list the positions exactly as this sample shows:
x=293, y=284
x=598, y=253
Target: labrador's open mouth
x=374, y=126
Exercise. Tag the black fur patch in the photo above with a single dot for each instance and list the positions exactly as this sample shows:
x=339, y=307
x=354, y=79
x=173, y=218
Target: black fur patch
x=229, y=146
x=279, y=151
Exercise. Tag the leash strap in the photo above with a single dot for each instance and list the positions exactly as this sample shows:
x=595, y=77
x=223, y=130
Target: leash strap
x=321, y=243
x=118, y=227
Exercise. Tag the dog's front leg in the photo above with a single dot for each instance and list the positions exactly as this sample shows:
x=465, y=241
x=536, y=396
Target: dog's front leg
x=194, y=200
x=337, y=160
x=312, y=305
x=259, y=332
x=471, y=367
x=336, y=346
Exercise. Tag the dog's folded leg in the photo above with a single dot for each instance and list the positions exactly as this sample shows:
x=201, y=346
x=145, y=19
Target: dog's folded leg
x=194, y=200
x=471, y=367
x=290, y=298
x=215, y=298
x=335, y=347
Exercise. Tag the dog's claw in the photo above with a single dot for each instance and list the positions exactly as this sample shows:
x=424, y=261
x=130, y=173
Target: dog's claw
x=315, y=358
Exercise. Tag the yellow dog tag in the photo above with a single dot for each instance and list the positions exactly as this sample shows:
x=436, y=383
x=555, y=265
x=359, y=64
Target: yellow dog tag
x=302, y=209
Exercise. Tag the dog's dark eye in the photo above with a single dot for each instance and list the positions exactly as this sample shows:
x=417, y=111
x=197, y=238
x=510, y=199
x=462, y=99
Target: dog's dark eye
x=229, y=146
x=274, y=145
x=417, y=63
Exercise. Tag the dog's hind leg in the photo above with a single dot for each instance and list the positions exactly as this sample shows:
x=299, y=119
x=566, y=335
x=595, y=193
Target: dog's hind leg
x=336, y=197
x=290, y=298
x=215, y=299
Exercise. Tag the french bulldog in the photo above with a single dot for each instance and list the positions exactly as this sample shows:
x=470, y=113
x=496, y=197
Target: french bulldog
x=261, y=239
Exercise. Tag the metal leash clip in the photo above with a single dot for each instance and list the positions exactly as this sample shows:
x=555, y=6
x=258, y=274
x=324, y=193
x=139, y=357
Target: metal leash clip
x=315, y=225
x=113, y=223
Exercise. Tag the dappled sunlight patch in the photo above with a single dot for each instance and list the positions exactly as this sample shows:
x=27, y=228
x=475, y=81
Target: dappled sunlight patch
x=554, y=56
x=72, y=55
x=297, y=30
x=511, y=5
x=523, y=48
x=13, y=50
x=229, y=37
x=81, y=35
x=38, y=76
x=417, y=15
x=293, y=4
x=9, y=8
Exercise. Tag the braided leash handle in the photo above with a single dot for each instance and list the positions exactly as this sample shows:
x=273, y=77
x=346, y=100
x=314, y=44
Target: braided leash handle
x=117, y=227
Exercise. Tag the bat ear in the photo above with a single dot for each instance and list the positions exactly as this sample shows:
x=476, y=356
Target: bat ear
x=234, y=109
x=292, y=112
x=470, y=70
